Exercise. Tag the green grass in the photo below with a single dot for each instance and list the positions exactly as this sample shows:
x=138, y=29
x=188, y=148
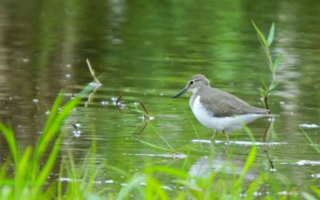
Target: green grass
x=28, y=177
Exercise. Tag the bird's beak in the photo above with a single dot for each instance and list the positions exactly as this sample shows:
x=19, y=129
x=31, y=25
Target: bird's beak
x=181, y=92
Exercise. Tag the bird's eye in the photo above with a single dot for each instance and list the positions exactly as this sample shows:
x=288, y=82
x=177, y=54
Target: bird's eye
x=191, y=82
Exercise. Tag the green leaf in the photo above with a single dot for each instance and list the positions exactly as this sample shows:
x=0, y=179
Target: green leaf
x=275, y=64
x=273, y=85
x=271, y=34
x=265, y=85
x=263, y=39
x=262, y=92
x=316, y=190
x=261, y=89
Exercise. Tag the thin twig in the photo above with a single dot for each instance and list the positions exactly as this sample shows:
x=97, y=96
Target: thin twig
x=258, y=191
x=37, y=105
x=117, y=103
x=269, y=57
x=91, y=95
x=118, y=99
x=119, y=110
x=148, y=115
x=144, y=127
x=267, y=130
x=265, y=99
x=271, y=163
x=74, y=126
x=97, y=85
x=36, y=102
x=92, y=71
x=146, y=119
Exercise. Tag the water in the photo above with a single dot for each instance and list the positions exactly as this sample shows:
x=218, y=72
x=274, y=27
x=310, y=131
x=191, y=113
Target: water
x=148, y=51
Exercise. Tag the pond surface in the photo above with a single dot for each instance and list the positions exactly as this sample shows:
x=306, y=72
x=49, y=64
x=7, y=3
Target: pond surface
x=148, y=50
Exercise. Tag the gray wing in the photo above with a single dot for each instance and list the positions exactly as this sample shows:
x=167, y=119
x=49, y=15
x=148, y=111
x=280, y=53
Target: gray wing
x=223, y=104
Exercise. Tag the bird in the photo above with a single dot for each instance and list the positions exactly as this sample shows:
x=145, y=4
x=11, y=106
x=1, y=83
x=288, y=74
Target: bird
x=219, y=110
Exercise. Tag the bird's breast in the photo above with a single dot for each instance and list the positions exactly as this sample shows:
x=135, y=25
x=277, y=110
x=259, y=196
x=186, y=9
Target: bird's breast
x=204, y=116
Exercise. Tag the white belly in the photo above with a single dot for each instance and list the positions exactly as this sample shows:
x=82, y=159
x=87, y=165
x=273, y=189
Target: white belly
x=226, y=124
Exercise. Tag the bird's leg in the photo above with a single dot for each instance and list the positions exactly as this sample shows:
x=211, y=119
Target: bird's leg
x=215, y=132
x=228, y=141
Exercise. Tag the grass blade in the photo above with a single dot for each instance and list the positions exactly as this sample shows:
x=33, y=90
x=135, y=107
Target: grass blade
x=45, y=171
x=156, y=147
x=22, y=171
x=9, y=136
x=116, y=169
x=311, y=141
x=154, y=190
x=250, y=159
x=132, y=184
x=52, y=115
x=155, y=130
x=52, y=131
x=316, y=190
